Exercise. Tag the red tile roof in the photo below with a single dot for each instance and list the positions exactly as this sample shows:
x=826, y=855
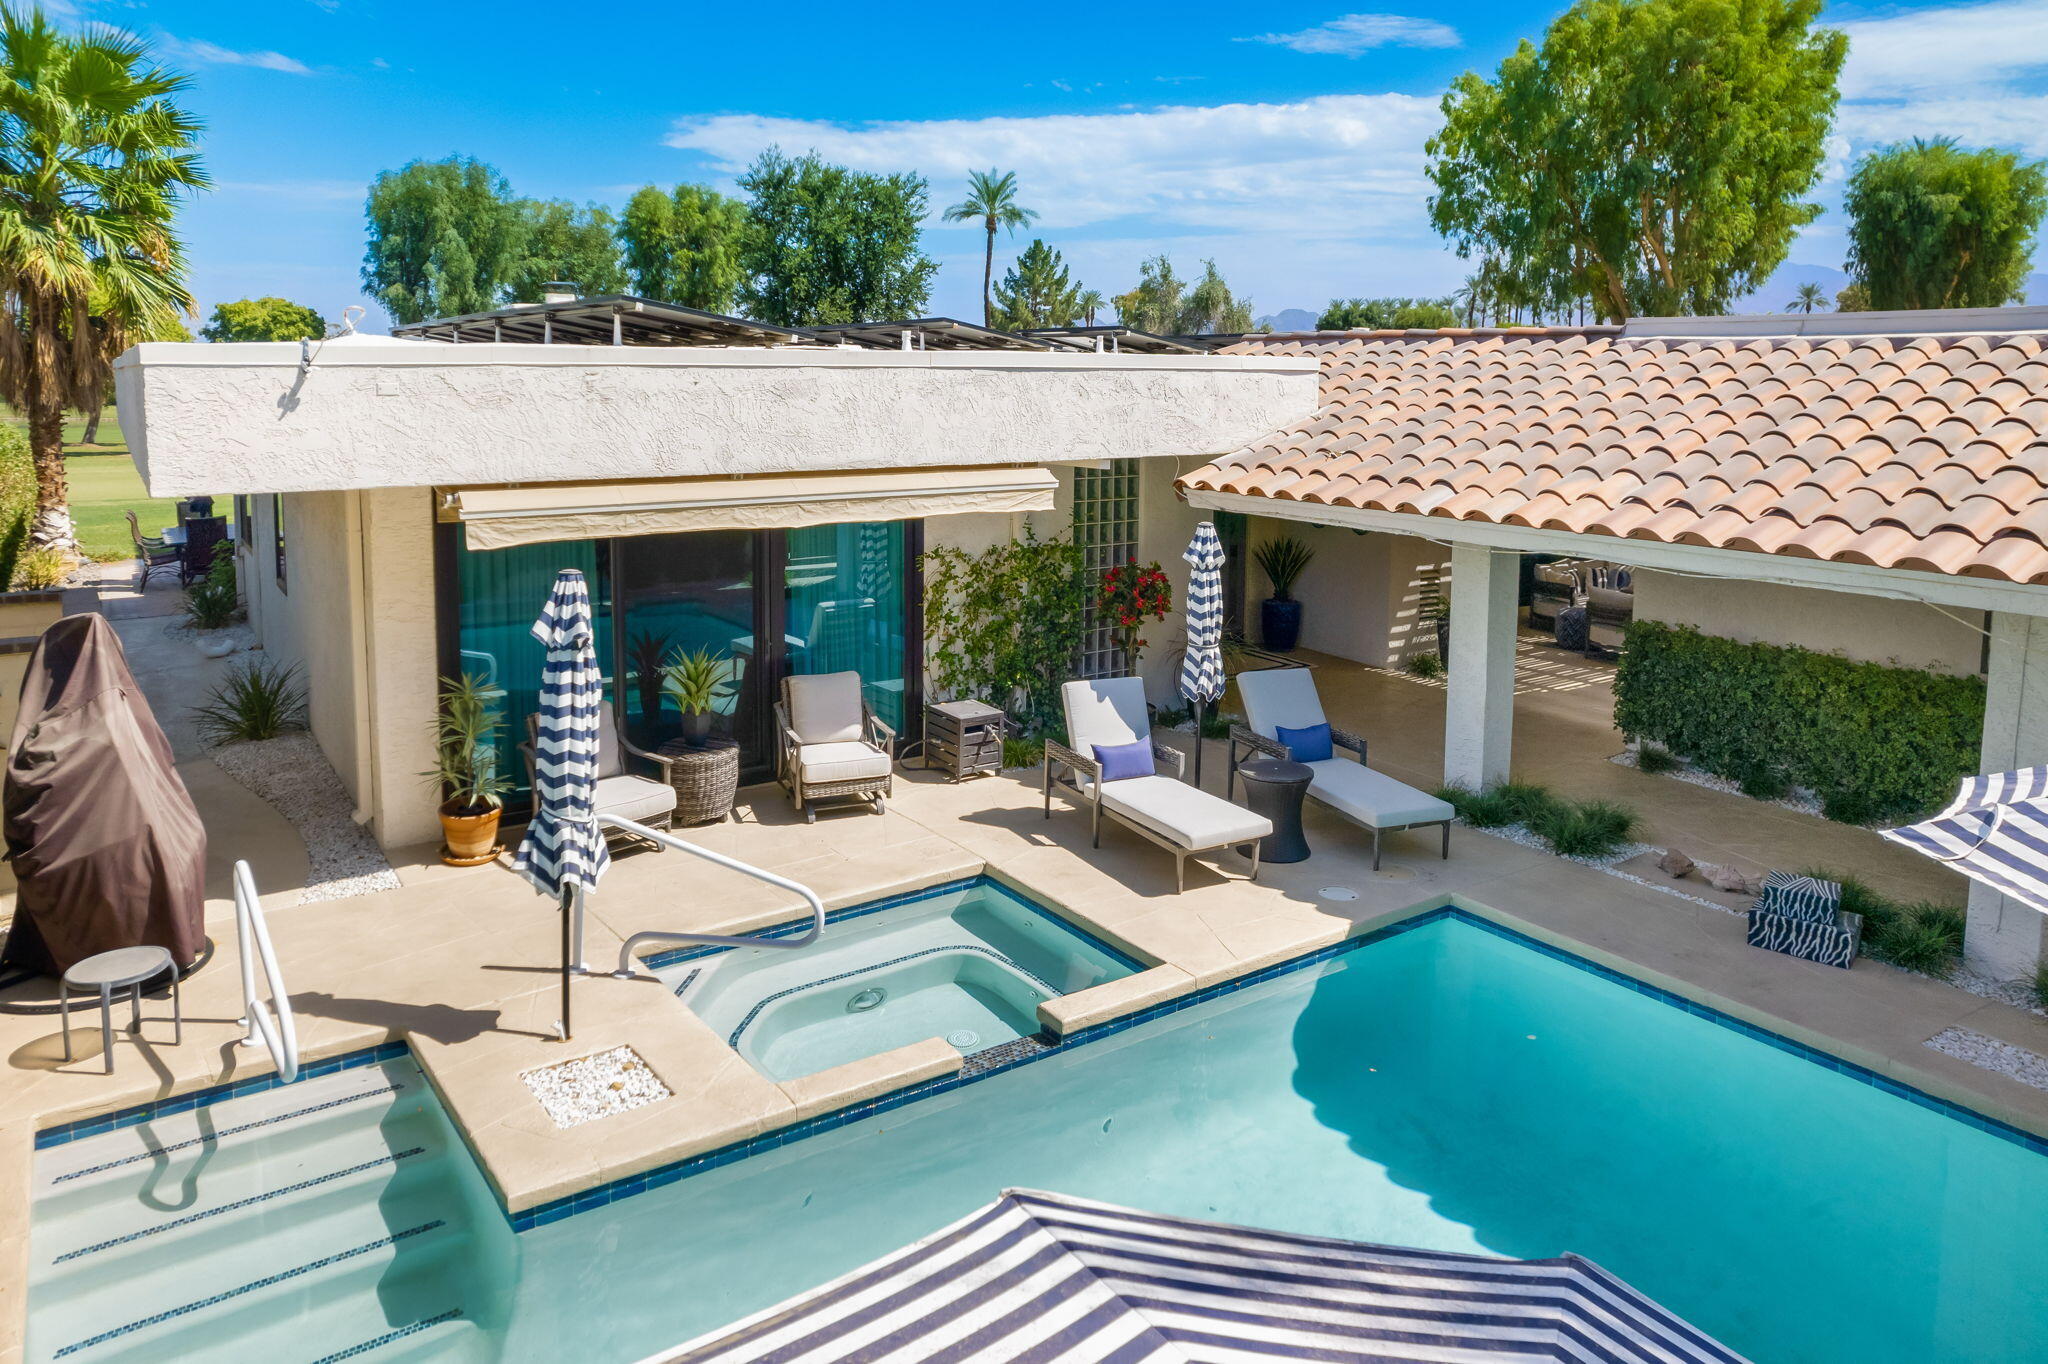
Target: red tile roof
x=1926, y=453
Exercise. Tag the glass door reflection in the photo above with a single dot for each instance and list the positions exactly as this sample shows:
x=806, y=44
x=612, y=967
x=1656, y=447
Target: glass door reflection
x=677, y=595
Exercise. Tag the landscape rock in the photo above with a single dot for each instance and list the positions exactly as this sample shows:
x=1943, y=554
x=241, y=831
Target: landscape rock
x=1675, y=863
x=1733, y=880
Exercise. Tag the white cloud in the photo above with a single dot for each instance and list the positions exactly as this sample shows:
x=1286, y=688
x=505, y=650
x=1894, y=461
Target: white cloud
x=1946, y=49
x=1350, y=35
x=1339, y=165
x=213, y=54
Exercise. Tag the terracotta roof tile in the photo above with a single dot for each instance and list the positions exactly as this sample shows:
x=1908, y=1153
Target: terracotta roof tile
x=1928, y=453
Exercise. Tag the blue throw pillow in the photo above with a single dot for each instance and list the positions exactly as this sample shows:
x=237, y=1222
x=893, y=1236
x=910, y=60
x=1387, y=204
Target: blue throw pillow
x=1119, y=761
x=1310, y=745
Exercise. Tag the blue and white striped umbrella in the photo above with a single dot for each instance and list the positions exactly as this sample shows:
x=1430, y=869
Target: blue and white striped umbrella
x=563, y=846
x=1201, y=667
x=1994, y=831
x=1049, y=1278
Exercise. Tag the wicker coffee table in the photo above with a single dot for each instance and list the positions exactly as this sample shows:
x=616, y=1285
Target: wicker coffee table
x=706, y=777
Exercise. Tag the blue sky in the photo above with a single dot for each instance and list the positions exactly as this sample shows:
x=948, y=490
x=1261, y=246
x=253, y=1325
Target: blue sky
x=1285, y=140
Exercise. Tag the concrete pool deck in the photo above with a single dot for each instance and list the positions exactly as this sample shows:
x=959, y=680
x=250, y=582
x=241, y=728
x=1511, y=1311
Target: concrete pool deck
x=462, y=965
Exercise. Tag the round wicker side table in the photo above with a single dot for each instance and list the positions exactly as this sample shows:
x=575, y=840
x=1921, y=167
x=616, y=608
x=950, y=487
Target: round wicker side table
x=706, y=776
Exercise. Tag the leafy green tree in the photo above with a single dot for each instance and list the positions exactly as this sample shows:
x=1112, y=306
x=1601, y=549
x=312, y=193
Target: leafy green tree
x=559, y=242
x=1037, y=291
x=1161, y=303
x=1651, y=155
x=95, y=155
x=683, y=246
x=827, y=244
x=263, y=319
x=992, y=198
x=1934, y=226
x=1809, y=299
x=1382, y=314
x=445, y=237
x=1211, y=307
x=1853, y=298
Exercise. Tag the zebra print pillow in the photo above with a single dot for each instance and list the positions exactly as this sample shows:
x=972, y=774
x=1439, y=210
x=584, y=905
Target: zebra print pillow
x=1805, y=898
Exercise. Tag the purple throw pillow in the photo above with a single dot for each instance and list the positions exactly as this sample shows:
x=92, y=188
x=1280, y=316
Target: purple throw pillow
x=1120, y=761
x=1307, y=745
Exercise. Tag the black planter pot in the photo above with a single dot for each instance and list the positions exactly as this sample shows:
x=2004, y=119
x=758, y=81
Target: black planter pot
x=1443, y=640
x=1280, y=623
x=697, y=727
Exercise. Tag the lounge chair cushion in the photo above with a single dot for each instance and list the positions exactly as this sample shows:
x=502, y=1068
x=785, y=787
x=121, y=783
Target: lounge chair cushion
x=846, y=760
x=636, y=798
x=825, y=708
x=1373, y=798
x=1279, y=696
x=1183, y=814
x=1109, y=710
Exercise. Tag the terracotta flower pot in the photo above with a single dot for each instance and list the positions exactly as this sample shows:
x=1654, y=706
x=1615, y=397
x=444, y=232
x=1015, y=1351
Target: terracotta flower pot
x=468, y=840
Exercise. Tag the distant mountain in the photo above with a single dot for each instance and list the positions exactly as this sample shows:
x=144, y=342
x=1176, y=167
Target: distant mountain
x=1290, y=320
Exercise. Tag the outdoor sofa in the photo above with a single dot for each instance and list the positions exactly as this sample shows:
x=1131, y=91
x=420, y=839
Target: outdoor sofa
x=1110, y=714
x=1285, y=698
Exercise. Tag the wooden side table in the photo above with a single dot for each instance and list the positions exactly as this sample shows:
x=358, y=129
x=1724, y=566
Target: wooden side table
x=962, y=738
x=705, y=776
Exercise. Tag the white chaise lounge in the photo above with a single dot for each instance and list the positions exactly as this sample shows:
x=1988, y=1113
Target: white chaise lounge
x=1178, y=817
x=1277, y=698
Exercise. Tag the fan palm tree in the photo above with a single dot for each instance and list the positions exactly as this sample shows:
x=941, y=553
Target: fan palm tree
x=991, y=197
x=94, y=156
x=1088, y=303
x=1808, y=299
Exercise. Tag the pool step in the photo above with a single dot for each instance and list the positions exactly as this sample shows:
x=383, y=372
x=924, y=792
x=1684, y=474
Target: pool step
x=336, y=1217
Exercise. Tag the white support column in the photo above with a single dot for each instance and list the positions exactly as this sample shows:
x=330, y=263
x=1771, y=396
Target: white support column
x=1479, y=712
x=2005, y=938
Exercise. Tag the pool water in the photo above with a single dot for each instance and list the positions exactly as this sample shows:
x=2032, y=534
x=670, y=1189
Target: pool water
x=970, y=965
x=1447, y=1086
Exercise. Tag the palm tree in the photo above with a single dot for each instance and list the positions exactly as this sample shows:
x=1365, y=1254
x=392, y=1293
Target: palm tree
x=1809, y=299
x=1088, y=303
x=93, y=158
x=992, y=198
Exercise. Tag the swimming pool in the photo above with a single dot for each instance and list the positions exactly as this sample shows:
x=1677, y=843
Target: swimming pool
x=1448, y=1086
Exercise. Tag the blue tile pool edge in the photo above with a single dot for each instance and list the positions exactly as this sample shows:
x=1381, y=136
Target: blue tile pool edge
x=200, y=1098
x=981, y=880
x=544, y=1214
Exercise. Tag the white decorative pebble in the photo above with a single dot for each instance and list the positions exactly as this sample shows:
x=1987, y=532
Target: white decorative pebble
x=592, y=1087
x=293, y=775
x=1967, y=1044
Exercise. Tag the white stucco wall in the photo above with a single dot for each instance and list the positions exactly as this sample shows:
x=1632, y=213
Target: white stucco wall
x=200, y=417
x=1360, y=595
x=1871, y=629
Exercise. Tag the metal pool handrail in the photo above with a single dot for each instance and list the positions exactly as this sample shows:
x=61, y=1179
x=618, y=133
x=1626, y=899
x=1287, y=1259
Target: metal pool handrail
x=267, y=1021
x=669, y=840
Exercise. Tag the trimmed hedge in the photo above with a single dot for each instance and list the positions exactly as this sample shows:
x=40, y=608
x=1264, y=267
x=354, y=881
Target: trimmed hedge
x=1874, y=742
x=17, y=498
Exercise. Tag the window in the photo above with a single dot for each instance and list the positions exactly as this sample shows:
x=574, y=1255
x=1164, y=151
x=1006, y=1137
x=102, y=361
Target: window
x=1106, y=532
x=277, y=534
x=245, y=520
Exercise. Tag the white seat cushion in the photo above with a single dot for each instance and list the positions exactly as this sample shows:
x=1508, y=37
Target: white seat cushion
x=825, y=708
x=636, y=798
x=1279, y=697
x=1106, y=711
x=1373, y=798
x=845, y=761
x=1190, y=817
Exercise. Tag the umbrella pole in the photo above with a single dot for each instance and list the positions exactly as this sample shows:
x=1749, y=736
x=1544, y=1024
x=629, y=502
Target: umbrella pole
x=568, y=911
x=1198, y=744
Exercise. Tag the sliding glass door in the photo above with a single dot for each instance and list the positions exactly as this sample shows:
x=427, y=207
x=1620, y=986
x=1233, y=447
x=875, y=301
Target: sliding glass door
x=681, y=595
x=845, y=608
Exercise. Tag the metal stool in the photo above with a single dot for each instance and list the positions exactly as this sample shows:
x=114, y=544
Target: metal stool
x=126, y=968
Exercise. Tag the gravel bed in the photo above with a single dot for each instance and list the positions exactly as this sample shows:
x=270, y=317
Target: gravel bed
x=1611, y=864
x=593, y=1087
x=1966, y=1044
x=2018, y=993
x=1805, y=802
x=293, y=776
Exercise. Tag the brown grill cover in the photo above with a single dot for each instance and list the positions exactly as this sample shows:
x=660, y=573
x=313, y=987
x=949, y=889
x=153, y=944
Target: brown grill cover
x=103, y=835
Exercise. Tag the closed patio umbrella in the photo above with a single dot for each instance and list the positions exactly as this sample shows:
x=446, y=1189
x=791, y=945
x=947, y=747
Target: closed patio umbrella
x=1201, y=666
x=563, y=853
x=1994, y=831
x=1050, y=1278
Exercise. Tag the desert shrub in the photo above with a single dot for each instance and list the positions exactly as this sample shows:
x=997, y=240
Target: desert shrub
x=1425, y=665
x=1763, y=781
x=1654, y=758
x=1873, y=741
x=1023, y=752
x=1922, y=937
x=213, y=602
x=1591, y=828
x=2038, y=988
x=38, y=570
x=257, y=699
x=1480, y=809
x=1172, y=717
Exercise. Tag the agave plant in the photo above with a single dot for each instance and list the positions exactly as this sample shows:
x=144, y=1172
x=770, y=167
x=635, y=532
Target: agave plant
x=1283, y=561
x=696, y=682
x=258, y=699
x=466, y=745
x=647, y=656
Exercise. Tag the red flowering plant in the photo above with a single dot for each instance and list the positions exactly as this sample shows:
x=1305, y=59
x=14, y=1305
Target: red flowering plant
x=1131, y=595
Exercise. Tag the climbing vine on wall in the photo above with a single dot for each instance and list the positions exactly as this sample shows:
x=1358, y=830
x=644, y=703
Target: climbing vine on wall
x=1005, y=625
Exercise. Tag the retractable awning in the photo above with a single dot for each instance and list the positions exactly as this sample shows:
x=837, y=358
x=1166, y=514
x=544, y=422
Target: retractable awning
x=497, y=517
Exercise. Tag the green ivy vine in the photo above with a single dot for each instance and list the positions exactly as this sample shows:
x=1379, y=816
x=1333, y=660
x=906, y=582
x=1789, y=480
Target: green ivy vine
x=1005, y=625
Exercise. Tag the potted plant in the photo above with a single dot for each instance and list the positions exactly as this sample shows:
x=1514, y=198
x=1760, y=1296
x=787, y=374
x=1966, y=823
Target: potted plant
x=695, y=682
x=1131, y=595
x=466, y=769
x=1282, y=561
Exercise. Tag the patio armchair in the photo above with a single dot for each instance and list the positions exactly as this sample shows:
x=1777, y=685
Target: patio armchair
x=1285, y=698
x=829, y=746
x=620, y=791
x=152, y=554
x=204, y=536
x=1183, y=819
